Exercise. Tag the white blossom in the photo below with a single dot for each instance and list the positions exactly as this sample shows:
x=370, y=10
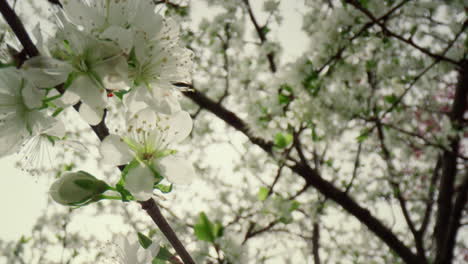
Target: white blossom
x=21, y=113
x=149, y=137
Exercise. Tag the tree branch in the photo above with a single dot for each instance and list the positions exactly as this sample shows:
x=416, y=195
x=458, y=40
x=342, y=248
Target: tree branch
x=261, y=35
x=387, y=31
x=444, y=254
x=17, y=26
x=316, y=242
x=153, y=210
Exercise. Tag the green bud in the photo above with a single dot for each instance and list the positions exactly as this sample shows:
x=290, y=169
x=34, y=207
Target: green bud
x=75, y=188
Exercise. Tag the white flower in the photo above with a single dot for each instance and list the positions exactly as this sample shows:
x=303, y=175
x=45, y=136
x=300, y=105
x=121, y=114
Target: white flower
x=129, y=251
x=115, y=20
x=148, y=138
x=156, y=65
x=21, y=117
x=95, y=66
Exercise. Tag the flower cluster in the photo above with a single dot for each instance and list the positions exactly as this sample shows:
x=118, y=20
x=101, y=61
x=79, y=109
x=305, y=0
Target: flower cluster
x=105, y=51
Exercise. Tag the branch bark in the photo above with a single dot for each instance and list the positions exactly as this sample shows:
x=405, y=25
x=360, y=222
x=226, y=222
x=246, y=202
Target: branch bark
x=444, y=239
x=153, y=211
x=17, y=26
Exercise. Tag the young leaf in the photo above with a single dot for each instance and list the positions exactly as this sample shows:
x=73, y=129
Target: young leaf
x=163, y=256
x=283, y=140
x=145, y=241
x=262, y=193
x=204, y=228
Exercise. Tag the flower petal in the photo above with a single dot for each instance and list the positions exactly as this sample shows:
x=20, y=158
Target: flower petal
x=32, y=96
x=92, y=115
x=57, y=130
x=139, y=182
x=123, y=37
x=114, y=151
x=89, y=92
x=180, y=125
x=176, y=169
x=46, y=72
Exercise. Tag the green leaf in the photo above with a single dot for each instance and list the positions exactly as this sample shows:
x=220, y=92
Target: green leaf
x=285, y=94
x=163, y=188
x=263, y=193
x=218, y=229
x=284, y=99
x=364, y=3
x=203, y=228
x=371, y=64
x=163, y=256
x=283, y=140
x=294, y=205
x=285, y=220
x=391, y=99
x=145, y=241
x=265, y=30
x=364, y=135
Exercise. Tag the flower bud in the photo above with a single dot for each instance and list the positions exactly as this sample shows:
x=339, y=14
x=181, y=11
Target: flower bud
x=75, y=188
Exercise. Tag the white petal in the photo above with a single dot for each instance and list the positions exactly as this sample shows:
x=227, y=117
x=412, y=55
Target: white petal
x=57, y=130
x=180, y=125
x=89, y=92
x=145, y=119
x=114, y=151
x=92, y=115
x=176, y=169
x=134, y=100
x=123, y=37
x=144, y=13
x=163, y=100
x=10, y=81
x=68, y=98
x=139, y=182
x=46, y=72
x=32, y=96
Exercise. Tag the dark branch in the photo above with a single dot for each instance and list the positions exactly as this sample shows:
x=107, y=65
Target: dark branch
x=449, y=172
x=388, y=32
x=153, y=210
x=261, y=34
x=316, y=243
x=17, y=26
x=226, y=115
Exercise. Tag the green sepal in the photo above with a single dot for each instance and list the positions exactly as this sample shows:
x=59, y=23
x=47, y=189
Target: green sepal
x=163, y=188
x=57, y=112
x=119, y=187
x=120, y=94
